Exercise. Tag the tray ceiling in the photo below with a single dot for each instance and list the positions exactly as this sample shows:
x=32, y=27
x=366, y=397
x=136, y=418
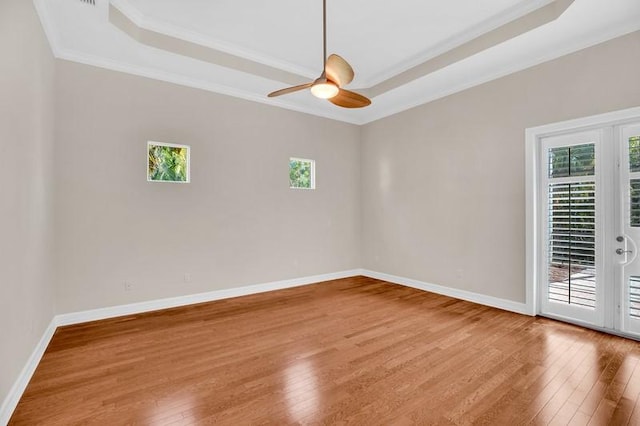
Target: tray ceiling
x=405, y=53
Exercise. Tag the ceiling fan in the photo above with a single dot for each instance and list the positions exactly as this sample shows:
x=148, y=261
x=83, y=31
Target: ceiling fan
x=337, y=73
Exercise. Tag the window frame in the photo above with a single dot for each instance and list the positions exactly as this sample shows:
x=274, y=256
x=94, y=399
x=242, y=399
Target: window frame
x=170, y=145
x=312, y=184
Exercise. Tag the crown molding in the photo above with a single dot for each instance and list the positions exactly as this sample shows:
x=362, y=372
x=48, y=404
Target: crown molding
x=62, y=53
x=482, y=42
x=581, y=44
x=513, y=22
x=197, y=51
x=182, y=80
x=511, y=14
x=59, y=52
x=367, y=116
x=162, y=27
x=412, y=94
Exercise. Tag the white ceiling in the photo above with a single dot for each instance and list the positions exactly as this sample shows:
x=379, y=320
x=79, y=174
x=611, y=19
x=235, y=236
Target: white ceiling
x=288, y=33
x=380, y=39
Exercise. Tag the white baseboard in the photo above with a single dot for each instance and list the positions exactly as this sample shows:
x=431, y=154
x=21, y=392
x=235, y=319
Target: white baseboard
x=12, y=399
x=15, y=393
x=482, y=299
x=173, y=302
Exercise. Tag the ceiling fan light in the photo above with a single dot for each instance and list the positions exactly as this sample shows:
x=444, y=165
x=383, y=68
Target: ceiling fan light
x=325, y=90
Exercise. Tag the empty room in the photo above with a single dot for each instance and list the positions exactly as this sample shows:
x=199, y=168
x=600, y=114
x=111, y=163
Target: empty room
x=319, y=212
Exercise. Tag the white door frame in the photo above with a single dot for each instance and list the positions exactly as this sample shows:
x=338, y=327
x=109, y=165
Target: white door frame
x=533, y=138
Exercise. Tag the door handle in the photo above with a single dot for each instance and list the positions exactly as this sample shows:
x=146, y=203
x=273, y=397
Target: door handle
x=621, y=251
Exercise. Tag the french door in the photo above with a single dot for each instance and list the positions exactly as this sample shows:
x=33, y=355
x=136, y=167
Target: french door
x=590, y=227
x=628, y=222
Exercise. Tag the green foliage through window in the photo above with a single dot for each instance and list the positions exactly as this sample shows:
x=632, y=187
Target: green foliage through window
x=301, y=173
x=577, y=160
x=634, y=154
x=168, y=163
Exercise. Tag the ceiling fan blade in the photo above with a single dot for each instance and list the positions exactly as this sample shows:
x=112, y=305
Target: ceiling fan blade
x=349, y=99
x=338, y=70
x=289, y=90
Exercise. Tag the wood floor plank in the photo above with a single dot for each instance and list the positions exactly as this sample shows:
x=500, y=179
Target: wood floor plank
x=352, y=351
x=625, y=406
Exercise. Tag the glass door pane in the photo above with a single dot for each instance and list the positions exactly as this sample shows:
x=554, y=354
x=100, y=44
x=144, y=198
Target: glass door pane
x=570, y=287
x=572, y=243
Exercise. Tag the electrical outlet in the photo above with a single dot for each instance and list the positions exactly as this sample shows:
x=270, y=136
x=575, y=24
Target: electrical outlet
x=187, y=277
x=128, y=286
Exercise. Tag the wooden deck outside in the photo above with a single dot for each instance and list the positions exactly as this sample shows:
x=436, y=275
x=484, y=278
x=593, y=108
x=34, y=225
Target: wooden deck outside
x=577, y=287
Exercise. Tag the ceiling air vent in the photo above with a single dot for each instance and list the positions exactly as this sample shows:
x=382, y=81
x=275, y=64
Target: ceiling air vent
x=93, y=2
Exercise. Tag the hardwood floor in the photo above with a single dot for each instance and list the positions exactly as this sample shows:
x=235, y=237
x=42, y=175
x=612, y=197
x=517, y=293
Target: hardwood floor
x=351, y=351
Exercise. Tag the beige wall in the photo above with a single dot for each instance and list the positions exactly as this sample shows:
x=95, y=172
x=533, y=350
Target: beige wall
x=26, y=136
x=236, y=224
x=443, y=184
x=435, y=193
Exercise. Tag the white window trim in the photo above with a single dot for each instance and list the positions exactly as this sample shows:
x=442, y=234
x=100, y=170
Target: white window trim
x=313, y=172
x=533, y=153
x=171, y=145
